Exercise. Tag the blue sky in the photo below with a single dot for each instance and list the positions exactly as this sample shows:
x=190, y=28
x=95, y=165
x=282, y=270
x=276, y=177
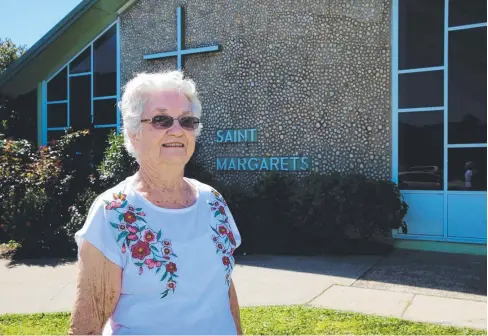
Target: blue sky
x=26, y=21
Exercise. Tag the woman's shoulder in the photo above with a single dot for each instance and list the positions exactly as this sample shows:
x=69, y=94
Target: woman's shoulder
x=205, y=188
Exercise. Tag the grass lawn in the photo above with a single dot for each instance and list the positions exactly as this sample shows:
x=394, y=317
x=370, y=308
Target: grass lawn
x=297, y=320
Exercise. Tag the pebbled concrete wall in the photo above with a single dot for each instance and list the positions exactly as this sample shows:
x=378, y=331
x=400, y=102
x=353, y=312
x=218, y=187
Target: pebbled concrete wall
x=312, y=76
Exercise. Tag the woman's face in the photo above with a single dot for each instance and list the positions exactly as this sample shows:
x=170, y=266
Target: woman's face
x=173, y=145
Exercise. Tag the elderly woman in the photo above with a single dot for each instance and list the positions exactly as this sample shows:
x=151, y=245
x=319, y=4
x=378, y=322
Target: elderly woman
x=156, y=251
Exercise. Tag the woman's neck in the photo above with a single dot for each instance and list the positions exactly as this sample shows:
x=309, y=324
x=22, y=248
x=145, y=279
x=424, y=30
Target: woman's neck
x=168, y=178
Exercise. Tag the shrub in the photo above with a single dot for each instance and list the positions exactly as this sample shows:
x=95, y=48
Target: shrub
x=117, y=164
x=46, y=194
x=37, y=189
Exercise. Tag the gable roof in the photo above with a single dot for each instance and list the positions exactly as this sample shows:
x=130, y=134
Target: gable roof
x=58, y=45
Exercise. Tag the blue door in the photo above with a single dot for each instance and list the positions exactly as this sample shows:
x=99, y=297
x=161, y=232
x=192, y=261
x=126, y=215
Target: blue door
x=439, y=117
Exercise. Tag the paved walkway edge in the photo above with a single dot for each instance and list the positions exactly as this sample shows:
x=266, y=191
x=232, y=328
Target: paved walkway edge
x=407, y=306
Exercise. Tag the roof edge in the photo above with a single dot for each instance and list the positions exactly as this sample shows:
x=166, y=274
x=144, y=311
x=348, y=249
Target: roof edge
x=40, y=45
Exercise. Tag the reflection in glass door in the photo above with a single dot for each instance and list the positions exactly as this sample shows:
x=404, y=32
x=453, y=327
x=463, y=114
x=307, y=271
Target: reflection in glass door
x=439, y=117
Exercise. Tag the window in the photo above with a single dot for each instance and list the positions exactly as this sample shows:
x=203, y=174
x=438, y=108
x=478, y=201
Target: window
x=83, y=94
x=441, y=107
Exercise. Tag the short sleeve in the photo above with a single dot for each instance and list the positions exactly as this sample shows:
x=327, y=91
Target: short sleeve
x=99, y=233
x=231, y=220
x=233, y=225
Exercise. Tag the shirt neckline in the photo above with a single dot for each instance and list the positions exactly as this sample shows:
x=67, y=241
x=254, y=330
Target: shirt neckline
x=148, y=203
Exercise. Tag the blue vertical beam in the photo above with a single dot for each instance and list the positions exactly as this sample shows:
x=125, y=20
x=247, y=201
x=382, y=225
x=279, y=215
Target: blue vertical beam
x=179, y=38
x=44, y=113
x=91, y=82
x=446, y=108
x=394, y=92
x=68, y=110
x=118, y=72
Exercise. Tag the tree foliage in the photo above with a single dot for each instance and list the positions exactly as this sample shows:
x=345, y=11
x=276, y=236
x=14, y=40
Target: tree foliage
x=9, y=52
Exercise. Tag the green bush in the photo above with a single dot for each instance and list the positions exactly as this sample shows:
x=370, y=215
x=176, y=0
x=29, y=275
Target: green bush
x=46, y=194
x=37, y=187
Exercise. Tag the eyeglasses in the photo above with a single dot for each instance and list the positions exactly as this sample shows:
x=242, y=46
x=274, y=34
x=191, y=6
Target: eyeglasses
x=163, y=121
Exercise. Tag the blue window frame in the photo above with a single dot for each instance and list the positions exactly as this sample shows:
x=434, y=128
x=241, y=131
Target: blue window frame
x=439, y=115
x=84, y=92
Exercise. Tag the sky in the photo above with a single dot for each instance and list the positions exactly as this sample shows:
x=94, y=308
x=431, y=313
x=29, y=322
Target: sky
x=27, y=21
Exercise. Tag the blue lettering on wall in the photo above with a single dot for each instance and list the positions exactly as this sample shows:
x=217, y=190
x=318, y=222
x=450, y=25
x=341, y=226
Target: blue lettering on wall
x=285, y=163
x=236, y=135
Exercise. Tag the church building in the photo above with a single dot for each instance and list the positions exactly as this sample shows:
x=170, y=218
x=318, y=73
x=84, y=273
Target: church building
x=392, y=89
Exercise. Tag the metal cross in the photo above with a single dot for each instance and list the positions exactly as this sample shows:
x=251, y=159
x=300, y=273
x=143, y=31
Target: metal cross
x=180, y=48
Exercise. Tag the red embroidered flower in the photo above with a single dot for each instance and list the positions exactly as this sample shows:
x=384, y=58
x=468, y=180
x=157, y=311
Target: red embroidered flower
x=140, y=270
x=222, y=210
x=166, y=250
x=124, y=249
x=171, y=285
x=132, y=237
x=225, y=260
x=232, y=251
x=140, y=250
x=220, y=246
x=141, y=213
x=132, y=229
x=222, y=230
x=122, y=227
x=149, y=236
x=214, y=238
x=167, y=257
x=171, y=267
x=131, y=208
x=129, y=217
x=166, y=243
x=232, y=240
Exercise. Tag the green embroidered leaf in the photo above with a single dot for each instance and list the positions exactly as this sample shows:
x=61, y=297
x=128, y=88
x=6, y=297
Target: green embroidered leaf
x=165, y=275
x=216, y=252
x=116, y=226
x=176, y=276
x=138, y=209
x=159, y=235
x=174, y=255
x=173, y=290
x=164, y=294
x=124, y=204
x=159, y=269
x=138, y=264
x=215, y=231
x=222, y=221
x=142, y=228
x=217, y=213
x=226, y=239
x=154, y=249
x=122, y=235
x=141, y=219
x=107, y=202
x=121, y=217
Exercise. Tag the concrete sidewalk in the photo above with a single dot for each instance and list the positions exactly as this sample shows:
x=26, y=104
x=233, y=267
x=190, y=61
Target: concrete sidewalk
x=416, y=286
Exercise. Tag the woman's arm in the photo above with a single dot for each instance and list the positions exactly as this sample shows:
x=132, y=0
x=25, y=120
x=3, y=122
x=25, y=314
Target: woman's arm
x=234, y=307
x=98, y=289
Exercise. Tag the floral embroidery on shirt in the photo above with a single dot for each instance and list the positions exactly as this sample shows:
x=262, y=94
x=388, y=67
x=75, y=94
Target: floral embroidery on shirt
x=148, y=249
x=224, y=240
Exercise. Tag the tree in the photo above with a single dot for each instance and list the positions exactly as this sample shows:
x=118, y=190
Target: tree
x=9, y=52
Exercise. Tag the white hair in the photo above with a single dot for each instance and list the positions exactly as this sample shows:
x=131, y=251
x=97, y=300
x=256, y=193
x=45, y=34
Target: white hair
x=136, y=93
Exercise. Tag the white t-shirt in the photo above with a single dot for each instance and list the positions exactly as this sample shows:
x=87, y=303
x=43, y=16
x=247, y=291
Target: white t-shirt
x=176, y=263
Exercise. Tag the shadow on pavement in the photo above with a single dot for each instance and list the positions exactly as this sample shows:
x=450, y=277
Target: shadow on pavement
x=399, y=270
